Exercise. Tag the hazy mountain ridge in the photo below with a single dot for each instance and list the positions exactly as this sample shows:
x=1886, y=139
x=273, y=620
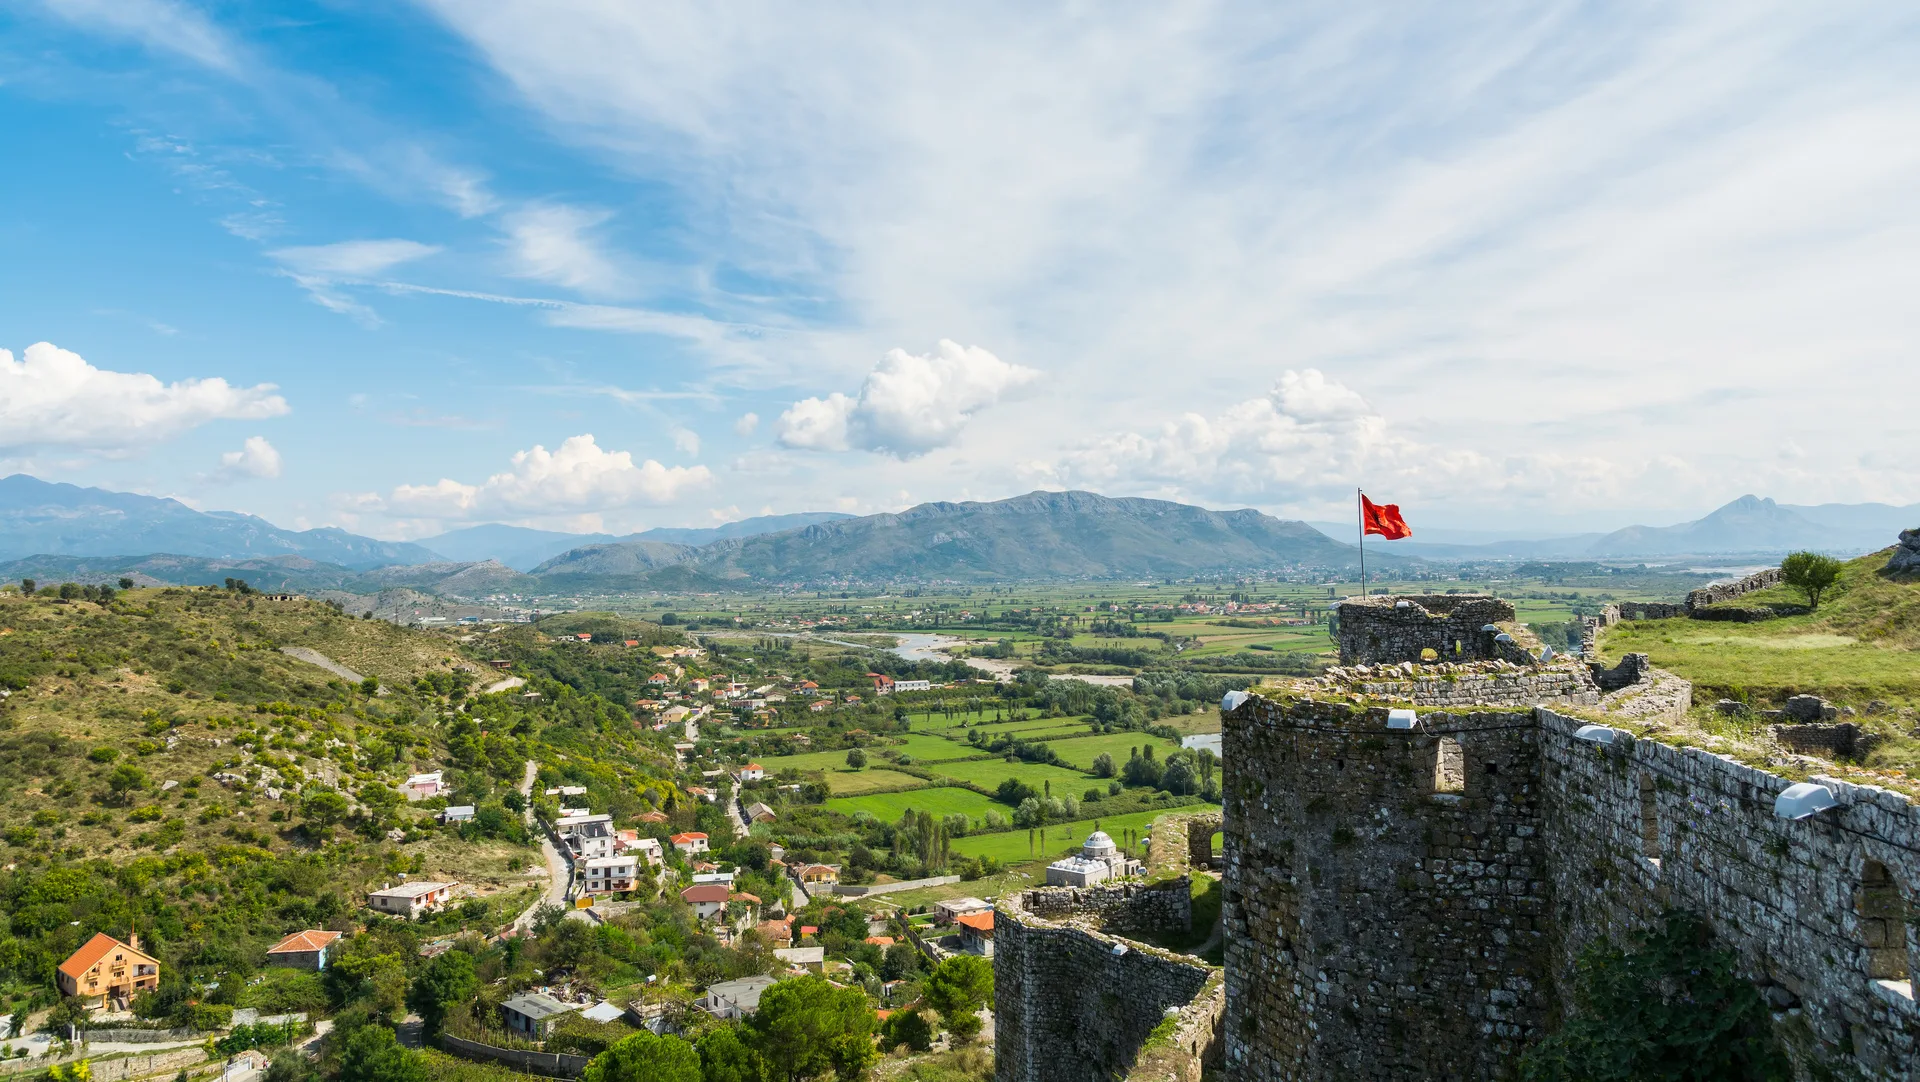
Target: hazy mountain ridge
x=524, y=549
x=42, y=517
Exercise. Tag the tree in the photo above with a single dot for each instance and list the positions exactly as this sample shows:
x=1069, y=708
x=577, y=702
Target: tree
x=1674, y=1007
x=372, y=1054
x=645, y=1057
x=807, y=1027
x=126, y=780
x=126, y=584
x=370, y=686
x=856, y=758
x=1103, y=765
x=324, y=810
x=724, y=1057
x=957, y=989
x=26, y=586
x=1207, y=761
x=447, y=981
x=909, y=1028
x=900, y=962
x=1811, y=574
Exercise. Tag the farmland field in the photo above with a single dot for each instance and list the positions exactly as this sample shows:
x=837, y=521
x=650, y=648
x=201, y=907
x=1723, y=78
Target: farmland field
x=943, y=800
x=873, y=779
x=990, y=773
x=1010, y=847
x=1080, y=750
x=812, y=760
x=938, y=725
x=931, y=749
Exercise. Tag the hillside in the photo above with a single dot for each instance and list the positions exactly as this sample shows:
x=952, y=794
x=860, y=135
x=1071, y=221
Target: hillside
x=523, y=549
x=39, y=517
x=1042, y=535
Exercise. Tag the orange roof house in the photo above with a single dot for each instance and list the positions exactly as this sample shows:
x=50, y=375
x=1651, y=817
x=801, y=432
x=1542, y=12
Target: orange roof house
x=976, y=932
x=105, y=968
x=653, y=817
x=302, y=950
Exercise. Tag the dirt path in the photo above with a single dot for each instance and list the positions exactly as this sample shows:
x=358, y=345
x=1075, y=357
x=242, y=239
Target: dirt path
x=315, y=657
x=557, y=870
x=508, y=684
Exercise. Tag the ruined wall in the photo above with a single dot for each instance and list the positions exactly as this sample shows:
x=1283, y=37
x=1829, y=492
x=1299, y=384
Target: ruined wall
x=1728, y=591
x=1376, y=927
x=1071, y=1004
x=1200, y=832
x=1379, y=929
x=1467, y=684
x=1390, y=629
x=1135, y=908
x=1632, y=669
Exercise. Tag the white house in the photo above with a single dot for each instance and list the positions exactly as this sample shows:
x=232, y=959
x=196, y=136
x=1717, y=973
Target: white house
x=690, y=843
x=460, y=814
x=423, y=786
x=630, y=841
x=589, y=837
x=912, y=685
x=735, y=999
x=568, y=790
x=952, y=909
x=611, y=875
x=531, y=1015
x=411, y=899
x=708, y=900
x=753, y=772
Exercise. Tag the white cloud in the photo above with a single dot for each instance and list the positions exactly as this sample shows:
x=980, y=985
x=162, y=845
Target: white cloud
x=552, y=242
x=909, y=404
x=256, y=458
x=158, y=24
x=577, y=477
x=352, y=258
x=1310, y=441
x=686, y=441
x=746, y=424
x=52, y=397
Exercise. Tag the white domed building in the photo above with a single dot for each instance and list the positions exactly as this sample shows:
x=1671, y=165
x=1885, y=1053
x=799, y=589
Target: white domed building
x=1099, y=860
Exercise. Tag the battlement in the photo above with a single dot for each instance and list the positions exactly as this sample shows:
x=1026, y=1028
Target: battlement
x=1423, y=627
x=1408, y=903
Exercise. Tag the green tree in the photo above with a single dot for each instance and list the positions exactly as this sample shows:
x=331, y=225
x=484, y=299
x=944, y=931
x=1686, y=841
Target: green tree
x=645, y=1057
x=1673, y=1009
x=1810, y=573
x=806, y=1027
x=724, y=1057
x=1103, y=765
x=26, y=587
x=370, y=686
x=957, y=989
x=445, y=983
x=373, y=1054
x=126, y=584
x=909, y=1028
x=901, y=961
x=856, y=758
x=126, y=780
x=324, y=809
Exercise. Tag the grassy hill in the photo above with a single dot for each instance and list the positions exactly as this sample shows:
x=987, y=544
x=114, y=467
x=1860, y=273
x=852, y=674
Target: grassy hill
x=166, y=768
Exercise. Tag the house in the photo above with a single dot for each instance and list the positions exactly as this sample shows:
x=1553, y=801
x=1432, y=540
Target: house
x=808, y=958
x=820, y=873
x=882, y=941
x=302, y=950
x=818, y=706
x=531, y=1015
x=501, y=663
x=760, y=813
x=424, y=786
x=462, y=813
x=913, y=685
x=411, y=899
x=567, y=790
x=730, y=1000
x=572, y=813
x=630, y=841
x=611, y=875
x=105, y=969
x=1099, y=860
x=882, y=683
x=587, y=837
x=976, y=933
x=697, y=684
x=602, y=1011
x=631, y=642
x=702, y=792
x=713, y=875
x=708, y=900
x=777, y=932
x=753, y=772
x=807, y=687
x=659, y=679
x=653, y=817
x=952, y=909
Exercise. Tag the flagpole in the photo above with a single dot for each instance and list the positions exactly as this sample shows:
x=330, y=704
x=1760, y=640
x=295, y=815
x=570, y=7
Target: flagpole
x=1360, y=508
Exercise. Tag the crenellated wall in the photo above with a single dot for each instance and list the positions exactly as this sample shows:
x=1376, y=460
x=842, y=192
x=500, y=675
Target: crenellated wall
x=1399, y=628
x=1393, y=912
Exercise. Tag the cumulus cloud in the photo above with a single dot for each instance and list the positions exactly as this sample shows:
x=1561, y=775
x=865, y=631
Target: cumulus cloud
x=909, y=405
x=52, y=397
x=1311, y=439
x=575, y=478
x=255, y=458
x=553, y=242
x=746, y=424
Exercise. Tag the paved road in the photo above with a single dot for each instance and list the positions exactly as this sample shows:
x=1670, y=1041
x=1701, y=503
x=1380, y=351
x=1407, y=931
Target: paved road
x=734, y=812
x=557, y=871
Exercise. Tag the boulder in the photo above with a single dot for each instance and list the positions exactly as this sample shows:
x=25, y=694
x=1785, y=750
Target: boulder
x=1906, y=558
x=1805, y=708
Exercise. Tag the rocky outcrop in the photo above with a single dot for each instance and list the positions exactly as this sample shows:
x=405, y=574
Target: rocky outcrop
x=1906, y=558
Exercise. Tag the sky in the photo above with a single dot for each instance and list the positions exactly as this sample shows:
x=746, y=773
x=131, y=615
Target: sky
x=598, y=266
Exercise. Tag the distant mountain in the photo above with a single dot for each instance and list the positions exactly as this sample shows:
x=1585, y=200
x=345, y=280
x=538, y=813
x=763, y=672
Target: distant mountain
x=524, y=549
x=1867, y=521
x=39, y=517
x=1748, y=524
x=1042, y=535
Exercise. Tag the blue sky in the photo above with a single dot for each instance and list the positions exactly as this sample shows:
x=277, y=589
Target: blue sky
x=603, y=266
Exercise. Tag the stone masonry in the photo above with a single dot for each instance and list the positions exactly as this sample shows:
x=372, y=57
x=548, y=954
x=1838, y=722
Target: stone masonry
x=1408, y=904
x=1401, y=628
x=1073, y=1003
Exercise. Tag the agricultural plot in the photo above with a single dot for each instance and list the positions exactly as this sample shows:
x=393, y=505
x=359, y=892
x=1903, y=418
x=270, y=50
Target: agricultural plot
x=937, y=725
x=1011, y=847
x=931, y=749
x=940, y=800
x=989, y=773
x=874, y=779
x=812, y=760
x=1080, y=750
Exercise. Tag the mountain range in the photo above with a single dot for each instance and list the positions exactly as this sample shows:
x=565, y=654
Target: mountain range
x=523, y=548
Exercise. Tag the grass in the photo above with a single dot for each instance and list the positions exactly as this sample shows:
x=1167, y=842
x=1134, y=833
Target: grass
x=990, y=773
x=1080, y=750
x=873, y=779
x=1011, y=847
x=811, y=760
x=940, y=800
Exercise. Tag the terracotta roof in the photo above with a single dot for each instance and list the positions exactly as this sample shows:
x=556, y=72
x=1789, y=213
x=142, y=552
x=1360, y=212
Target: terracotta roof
x=705, y=892
x=743, y=896
x=880, y=940
x=95, y=949
x=679, y=838
x=653, y=817
x=979, y=922
x=304, y=942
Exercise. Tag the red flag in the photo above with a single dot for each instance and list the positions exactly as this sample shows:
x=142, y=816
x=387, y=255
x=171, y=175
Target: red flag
x=1384, y=519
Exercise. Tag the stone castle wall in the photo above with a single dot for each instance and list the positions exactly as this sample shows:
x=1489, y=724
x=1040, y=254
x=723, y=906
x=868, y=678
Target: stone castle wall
x=1137, y=908
x=1449, y=685
x=1382, y=927
x=1729, y=591
x=1393, y=629
x=1074, y=1004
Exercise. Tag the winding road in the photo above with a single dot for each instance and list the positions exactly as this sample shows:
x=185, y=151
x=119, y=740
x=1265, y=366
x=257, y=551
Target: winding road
x=557, y=869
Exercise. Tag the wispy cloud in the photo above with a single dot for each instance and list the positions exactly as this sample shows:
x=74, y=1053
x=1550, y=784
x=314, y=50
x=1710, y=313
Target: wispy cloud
x=162, y=25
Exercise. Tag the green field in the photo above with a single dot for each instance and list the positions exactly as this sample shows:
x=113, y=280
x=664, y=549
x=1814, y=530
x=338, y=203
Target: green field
x=938, y=725
x=942, y=800
x=812, y=760
x=1773, y=659
x=931, y=749
x=873, y=779
x=990, y=772
x=1080, y=750
x=1010, y=847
